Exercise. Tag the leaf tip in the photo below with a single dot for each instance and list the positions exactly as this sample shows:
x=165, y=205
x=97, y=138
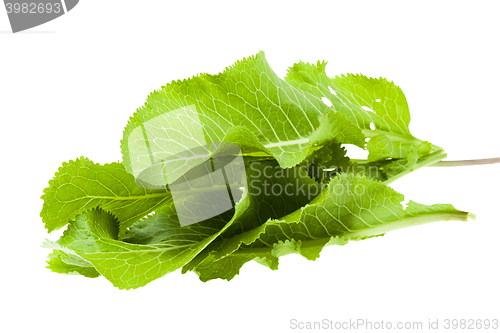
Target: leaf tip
x=470, y=216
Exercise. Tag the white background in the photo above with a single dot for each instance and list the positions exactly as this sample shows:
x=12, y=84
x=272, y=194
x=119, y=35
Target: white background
x=68, y=87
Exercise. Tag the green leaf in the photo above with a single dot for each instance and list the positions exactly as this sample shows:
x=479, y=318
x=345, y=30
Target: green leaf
x=93, y=236
x=247, y=104
x=82, y=185
x=352, y=208
x=67, y=263
x=184, y=152
x=158, y=244
x=272, y=192
x=377, y=106
x=324, y=163
x=381, y=146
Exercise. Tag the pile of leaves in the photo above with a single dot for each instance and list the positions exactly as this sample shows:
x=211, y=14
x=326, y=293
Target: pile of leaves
x=292, y=133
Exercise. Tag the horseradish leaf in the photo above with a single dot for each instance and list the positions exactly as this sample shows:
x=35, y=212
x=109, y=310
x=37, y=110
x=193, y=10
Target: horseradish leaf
x=222, y=169
x=247, y=104
x=158, y=244
x=67, y=263
x=94, y=237
x=352, y=208
x=81, y=185
x=377, y=106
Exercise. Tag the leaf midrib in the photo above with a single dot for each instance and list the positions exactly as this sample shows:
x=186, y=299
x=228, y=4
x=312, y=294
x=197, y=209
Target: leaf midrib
x=370, y=232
